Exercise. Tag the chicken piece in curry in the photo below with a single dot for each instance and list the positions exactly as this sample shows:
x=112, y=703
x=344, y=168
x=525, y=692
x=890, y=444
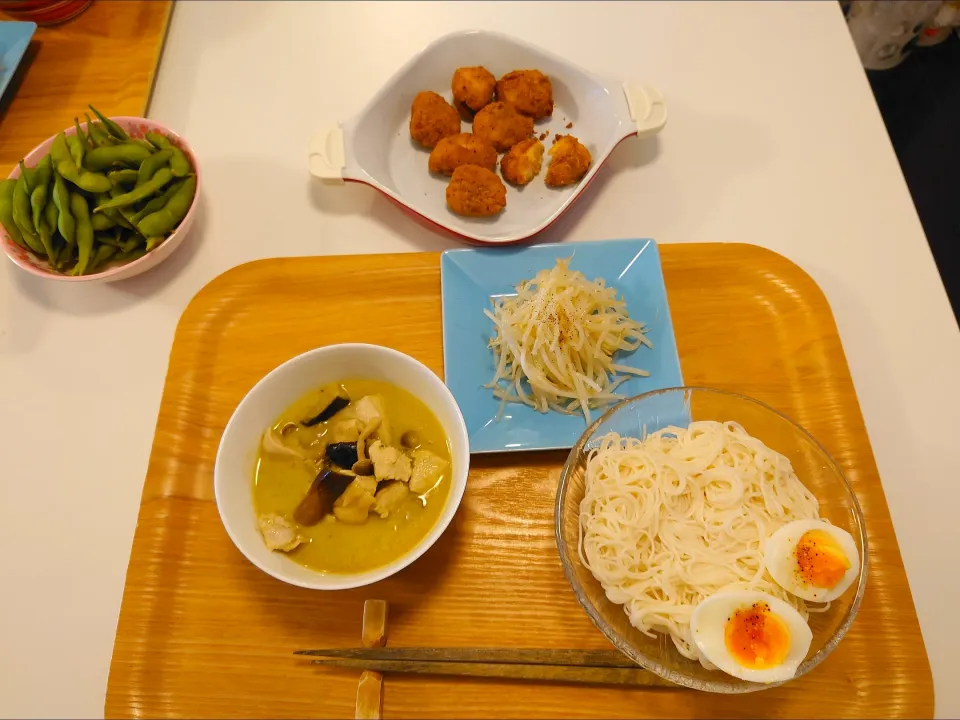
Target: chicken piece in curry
x=351, y=477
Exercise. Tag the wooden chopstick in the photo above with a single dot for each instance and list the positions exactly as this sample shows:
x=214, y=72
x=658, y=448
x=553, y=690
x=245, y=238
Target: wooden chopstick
x=514, y=671
x=500, y=656
x=606, y=667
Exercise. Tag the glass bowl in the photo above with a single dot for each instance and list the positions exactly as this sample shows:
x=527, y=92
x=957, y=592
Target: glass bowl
x=679, y=406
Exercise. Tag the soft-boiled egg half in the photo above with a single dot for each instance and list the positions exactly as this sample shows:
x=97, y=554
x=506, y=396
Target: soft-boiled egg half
x=750, y=635
x=812, y=559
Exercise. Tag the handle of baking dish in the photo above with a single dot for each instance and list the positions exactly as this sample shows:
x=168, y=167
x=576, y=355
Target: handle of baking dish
x=647, y=108
x=328, y=154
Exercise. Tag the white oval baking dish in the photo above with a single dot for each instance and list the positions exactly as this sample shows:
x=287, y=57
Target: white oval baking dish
x=374, y=147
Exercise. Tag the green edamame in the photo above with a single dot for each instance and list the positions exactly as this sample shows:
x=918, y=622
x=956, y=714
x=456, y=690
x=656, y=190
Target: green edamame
x=159, y=140
x=51, y=216
x=130, y=244
x=6, y=212
x=154, y=241
x=63, y=163
x=66, y=255
x=41, y=187
x=141, y=192
x=112, y=128
x=45, y=232
x=123, y=215
x=110, y=238
x=42, y=173
x=149, y=167
x=101, y=222
x=159, y=201
x=111, y=213
x=81, y=136
x=98, y=135
x=65, y=222
x=81, y=213
x=169, y=216
x=27, y=175
x=179, y=164
x=101, y=255
x=127, y=153
x=76, y=150
x=123, y=177
x=38, y=199
x=21, y=212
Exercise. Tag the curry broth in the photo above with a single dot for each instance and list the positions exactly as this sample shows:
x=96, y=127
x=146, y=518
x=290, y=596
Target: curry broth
x=332, y=546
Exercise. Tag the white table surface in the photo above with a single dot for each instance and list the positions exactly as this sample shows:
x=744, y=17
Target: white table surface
x=773, y=139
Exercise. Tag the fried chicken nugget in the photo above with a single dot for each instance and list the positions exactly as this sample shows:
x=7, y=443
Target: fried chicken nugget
x=463, y=149
x=502, y=126
x=473, y=87
x=475, y=192
x=523, y=162
x=432, y=118
x=569, y=161
x=529, y=91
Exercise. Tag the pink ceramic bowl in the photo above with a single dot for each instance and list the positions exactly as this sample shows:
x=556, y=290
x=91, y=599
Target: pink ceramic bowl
x=137, y=127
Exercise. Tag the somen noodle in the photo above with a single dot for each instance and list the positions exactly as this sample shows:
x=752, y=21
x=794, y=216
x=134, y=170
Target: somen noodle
x=671, y=519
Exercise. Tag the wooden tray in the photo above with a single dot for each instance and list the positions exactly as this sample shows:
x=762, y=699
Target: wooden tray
x=203, y=633
x=107, y=56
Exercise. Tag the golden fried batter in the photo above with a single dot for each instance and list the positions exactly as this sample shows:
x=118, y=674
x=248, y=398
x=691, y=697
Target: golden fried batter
x=502, y=126
x=473, y=87
x=466, y=114
x=569, y=161
x=529, y=91
x=463, y=149
x=523, y=162
x=432, y=118
x=475, y=192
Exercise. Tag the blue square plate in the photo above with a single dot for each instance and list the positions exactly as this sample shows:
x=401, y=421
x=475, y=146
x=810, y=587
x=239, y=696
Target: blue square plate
x=14, y=38
x=469, y=278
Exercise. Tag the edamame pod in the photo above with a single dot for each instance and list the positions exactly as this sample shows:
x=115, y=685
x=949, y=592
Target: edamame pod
x=101, y=222
x=123, y=177
x=159, y=201
x=98, y=135
x=141, y=192
x=65, y=222
x=127, y=153
x=150, y=166
x=63, y=163
x=51, y=216
x=66, y=256
x=166, y=219
x=106, y=237
x=111, y=213
x=77, y=150
x=179, y=165
x=40, y=192
x=6, y=212
x=42, y=173
x=21, y=212
x=159, y=140
x=112, y=128
x=81, y=213
x=154, y=241
x=130, y=244
x=84, y=140
x=101, y=255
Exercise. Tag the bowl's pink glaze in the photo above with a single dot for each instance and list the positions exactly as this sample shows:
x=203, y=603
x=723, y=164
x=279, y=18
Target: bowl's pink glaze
x=137, y=127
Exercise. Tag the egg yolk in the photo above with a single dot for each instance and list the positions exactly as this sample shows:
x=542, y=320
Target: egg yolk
x=820, y=561
x=756, y=638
